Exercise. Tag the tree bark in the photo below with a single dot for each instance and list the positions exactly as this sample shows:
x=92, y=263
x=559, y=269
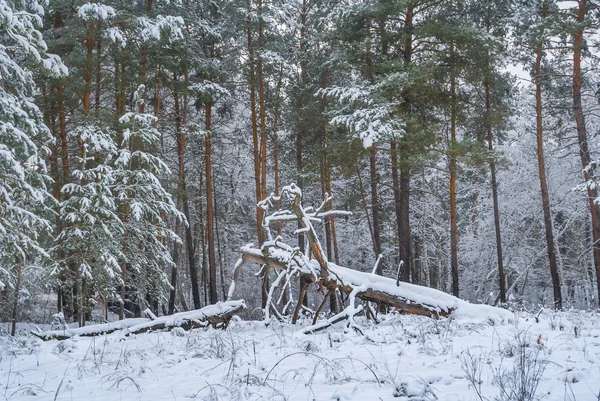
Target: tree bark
x=212, y=268
x=256, y=146
x=582, y=139
x=501, y=274
x=375, y=207
x=263, y=134
x=15, y=310
x=402, y=199
x=542, y=169
x=183, y=199
x=452, y=155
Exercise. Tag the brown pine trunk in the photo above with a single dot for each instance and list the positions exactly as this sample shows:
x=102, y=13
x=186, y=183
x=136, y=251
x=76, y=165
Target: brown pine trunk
x=364, y=202
x=89, y=60
x=300, y=134
x=98, y=69
x=375, y=207
x=402, y=194
x=15, y=310
x=212, y=267
x=453, y=167
x=202, y=238
x=183, y=200
x=542, y=170
x=331, y=219
x=174, y=273
x=50, y=119
x=501, y=274
x=123, y=85
x=117, y=93
x=263, y=136
x=582, y=139
x=396, y=192
x=256, y=146
x=67, y=289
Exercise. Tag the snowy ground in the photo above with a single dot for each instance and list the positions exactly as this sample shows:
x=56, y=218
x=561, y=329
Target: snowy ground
x=403, y=358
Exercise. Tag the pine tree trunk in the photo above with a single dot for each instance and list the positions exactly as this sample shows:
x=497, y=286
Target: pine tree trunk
x=300, y=134
x=254, y=121
x=98, y=69
x=542, y=171
x=263, y=136
x=89, y=60
x=183, y=199
x=66, y=279
x=453, y=168
x=174, y=273
x=375, y=207
x=15, y=310
x=501, y=274
x=402, y=202
x=212, y=268
x=582, y=139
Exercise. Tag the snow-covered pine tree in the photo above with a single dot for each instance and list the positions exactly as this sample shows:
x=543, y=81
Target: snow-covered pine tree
x=92, y=229
x=23, y=137
x=144, y=206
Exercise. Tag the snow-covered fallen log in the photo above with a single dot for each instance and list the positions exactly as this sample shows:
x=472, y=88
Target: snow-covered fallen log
x=368, y=287
x=90, y=331
x=405, y=297
x=217, y=315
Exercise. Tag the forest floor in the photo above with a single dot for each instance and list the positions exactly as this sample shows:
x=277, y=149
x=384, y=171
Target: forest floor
x=553, y=356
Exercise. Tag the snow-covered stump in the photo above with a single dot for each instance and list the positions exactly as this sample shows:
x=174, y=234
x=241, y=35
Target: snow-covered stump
x=367, y=287
x=217, y=315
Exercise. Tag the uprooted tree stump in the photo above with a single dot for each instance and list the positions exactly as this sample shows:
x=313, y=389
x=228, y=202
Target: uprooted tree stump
x=368, y=287
x=217, y=315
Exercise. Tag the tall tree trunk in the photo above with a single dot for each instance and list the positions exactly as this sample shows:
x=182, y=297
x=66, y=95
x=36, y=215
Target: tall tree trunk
x=255, y=142
x=66, y=276
x=98, y=69
x=263, y=136
x=402, y=199
x=183, y=199
x=542, y=170
x=453, y=168
x=50, y=119
x=174, y=273
x=364, y=202
x=488, y=127
x=582, y=139
x=15, y=310
x=212, y=267
x=300, y=134
x=202, y=239
x=375, y=207
x=89, y=66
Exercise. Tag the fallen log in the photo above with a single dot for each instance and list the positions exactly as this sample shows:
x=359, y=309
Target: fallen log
x=404, y=297
x=381, y=290
x=217, y=315
x=89, y=331
x=368, y=287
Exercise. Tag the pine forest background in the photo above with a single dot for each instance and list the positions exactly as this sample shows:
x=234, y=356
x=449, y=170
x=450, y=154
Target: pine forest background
x=136, y=138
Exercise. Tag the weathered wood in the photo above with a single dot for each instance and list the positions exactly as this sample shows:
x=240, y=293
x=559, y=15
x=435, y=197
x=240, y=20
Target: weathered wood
x=402, y=304
x=217, y=316
x=90, y=331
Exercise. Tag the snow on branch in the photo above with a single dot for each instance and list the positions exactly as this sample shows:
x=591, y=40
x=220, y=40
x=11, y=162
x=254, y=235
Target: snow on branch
x=359, y=286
